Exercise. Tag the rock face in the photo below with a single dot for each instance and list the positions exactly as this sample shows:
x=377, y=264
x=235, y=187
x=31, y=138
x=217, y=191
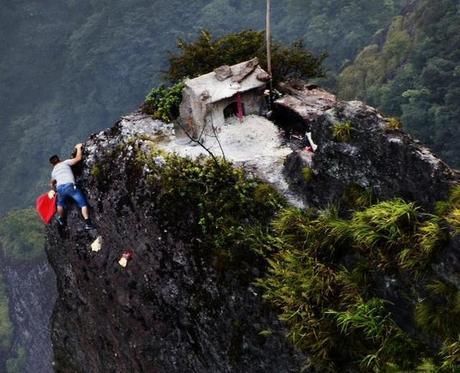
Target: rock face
x=171, y=308
x=32, y=293
x=357, y=147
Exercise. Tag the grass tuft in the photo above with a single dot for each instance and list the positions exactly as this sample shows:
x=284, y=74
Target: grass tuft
x=341, y=132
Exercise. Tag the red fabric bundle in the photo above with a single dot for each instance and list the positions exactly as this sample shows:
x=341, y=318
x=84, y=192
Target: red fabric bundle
x=46, y=207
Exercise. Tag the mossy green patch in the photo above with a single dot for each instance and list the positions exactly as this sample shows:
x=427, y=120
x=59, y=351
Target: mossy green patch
x=17, y=363
x=307, y=174
x=22, y=235
x=341, y=132
x=393, y=124
x=6, y=327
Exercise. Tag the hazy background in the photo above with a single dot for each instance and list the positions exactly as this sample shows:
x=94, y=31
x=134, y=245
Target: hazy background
x=69, y=68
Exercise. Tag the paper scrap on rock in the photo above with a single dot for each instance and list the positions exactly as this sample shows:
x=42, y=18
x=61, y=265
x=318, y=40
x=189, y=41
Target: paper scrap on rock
x=125, y=258
x=97, y=244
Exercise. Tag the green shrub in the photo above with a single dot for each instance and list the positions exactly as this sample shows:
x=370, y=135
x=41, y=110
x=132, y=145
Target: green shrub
x=206, y=53
x=302, y=289
x=322, y=280
x=371, y=320
x=450, y=355
x=6, y=327
x=356, y=197
x=387, y=222
x=163, y=103
x=225, y=212
x=393, y=124
x=453, y=218
x=430, y=237
x=307, y=174
x=439, y=313
x=341, y=132
x=22, y=235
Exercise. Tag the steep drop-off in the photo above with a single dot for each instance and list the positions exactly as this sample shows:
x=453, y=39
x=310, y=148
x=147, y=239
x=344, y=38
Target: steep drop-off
x=187, y=300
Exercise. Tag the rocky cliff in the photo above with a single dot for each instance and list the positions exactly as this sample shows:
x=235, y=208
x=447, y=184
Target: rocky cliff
x=191, y=229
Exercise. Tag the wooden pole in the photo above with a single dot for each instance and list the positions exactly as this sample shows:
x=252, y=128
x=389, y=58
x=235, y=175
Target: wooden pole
x=268, y=33
x=269, y=37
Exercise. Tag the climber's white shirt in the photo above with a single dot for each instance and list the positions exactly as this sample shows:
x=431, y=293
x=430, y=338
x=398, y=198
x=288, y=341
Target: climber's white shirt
x=62, y=173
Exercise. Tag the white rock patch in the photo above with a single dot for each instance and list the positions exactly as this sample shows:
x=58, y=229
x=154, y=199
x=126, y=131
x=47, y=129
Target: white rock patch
x=253, y=143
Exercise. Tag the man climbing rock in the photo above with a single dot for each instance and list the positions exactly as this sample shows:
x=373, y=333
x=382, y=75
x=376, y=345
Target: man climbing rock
x=63, y=181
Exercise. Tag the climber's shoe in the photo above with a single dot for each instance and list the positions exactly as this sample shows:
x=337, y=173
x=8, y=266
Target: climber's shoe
x=89, y=226
x=60, y=220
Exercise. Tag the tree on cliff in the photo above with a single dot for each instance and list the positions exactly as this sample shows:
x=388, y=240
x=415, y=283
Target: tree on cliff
x=206, y=53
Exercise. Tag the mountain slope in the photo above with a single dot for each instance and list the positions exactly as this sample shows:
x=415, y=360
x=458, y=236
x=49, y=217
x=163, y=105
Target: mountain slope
x=207, y=242
x=411, y=71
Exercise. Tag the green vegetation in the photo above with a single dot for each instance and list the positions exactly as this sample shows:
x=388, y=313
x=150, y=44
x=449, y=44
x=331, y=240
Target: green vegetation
x=17, y=363
x=356, y=197
x=394, y=124
x=324, y=279
x=413, y=73
x=451, y=209
x=224, y=211
x=439, y=312
x=22, y=235
x=163, y=103
x=206, y=53
x=6, y=327
x=342, y=131
x=307, y=174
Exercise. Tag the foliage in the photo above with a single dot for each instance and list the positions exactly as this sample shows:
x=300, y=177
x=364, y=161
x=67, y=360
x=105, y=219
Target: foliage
x=439, y=313
x=22, y=235
x=206, y=53
x=356, y=197
x=388, y=222
x=450, y=209
x=17, y=364
x=431, y=237
x=213, y=202
x=413, y=74
x=324, y=279
x=307, y=174
x=450, y=354
x=394, y=123
x=6, y=327
x=454, y=219
x=342, y=131
x=163, y=103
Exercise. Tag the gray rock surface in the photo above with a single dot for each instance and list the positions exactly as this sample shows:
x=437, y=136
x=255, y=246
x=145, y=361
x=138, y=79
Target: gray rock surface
x=169, y=310
x=31, y=293
x=386, y=161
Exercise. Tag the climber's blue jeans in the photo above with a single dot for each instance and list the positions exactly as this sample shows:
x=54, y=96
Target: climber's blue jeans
x=71, y=191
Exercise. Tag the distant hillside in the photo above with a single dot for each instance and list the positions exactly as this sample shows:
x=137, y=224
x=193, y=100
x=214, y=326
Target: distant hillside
x=412, y=70
x=68, y=68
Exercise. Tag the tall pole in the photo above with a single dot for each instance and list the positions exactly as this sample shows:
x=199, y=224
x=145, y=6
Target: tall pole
x=269, y=37
x=268, y=34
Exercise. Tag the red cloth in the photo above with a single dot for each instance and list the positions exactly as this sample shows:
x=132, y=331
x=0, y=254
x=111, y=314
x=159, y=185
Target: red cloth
x=46, y=207
x=239, y=107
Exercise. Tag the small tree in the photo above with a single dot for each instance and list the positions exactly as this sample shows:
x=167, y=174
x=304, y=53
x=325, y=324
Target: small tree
x=206, y=53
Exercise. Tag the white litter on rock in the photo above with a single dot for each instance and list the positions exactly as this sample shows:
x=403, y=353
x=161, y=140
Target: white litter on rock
x=97, y=244
x=123, y=262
